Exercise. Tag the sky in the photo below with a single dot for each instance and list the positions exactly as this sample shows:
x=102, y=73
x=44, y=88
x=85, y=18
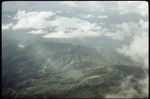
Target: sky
x=119, y=20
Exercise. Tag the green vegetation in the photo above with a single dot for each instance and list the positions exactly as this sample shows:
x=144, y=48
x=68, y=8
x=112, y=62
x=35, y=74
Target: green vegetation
x=53, y=69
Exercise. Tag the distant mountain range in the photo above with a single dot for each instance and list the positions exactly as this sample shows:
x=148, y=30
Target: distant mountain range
x=80, y=68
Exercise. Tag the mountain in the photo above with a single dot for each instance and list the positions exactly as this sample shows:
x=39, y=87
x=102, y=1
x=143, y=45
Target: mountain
x=51, y=68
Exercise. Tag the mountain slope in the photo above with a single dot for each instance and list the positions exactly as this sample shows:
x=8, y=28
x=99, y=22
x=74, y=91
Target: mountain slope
x=43, y=68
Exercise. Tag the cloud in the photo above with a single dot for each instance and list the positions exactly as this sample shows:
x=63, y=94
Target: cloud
x=86, y=16
x=69, y=3
x=21, y=46
x=93, y=5
x=143, y=24
x=40, y=21
x=121, y=7
x=126, y=30
x=6, y=26
x=139, y=7
x=34, y=20
x=124, y=26
x=143, y=8
x=127, y=89
x=138, y=48
x=102, y=16
x=59, y=34
x=145, y=86
x=38, y=32
x=75, y=34
x=72, y=27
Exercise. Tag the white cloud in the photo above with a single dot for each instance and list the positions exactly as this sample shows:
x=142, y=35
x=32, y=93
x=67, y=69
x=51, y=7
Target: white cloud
x=139, y=7
x=21, y=46
x=86, y=15
x=39, y=21
x=59, y=34
x=35, y=20
x=145, y=86
x=69, y=3
x=38, y=32
x=143, y=24
x=75, y=26
x=93, y=5
x=64, y=22
x=124, y=26
x=126, y=90
x=74, y=34
x=71, y=27
x=138, y=48
x=123, y=7
x=117, y=35
x=102, y=16
x=143, y=8
x=6, y=26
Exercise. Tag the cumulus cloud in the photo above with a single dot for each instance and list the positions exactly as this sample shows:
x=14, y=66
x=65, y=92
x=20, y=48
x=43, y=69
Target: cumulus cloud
x=72, y=27
x=126, y=29
x=138, y=48
x=139, y=7
x=38, y=21
x=34, y=20
x=75, y=34
x=6, y=26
